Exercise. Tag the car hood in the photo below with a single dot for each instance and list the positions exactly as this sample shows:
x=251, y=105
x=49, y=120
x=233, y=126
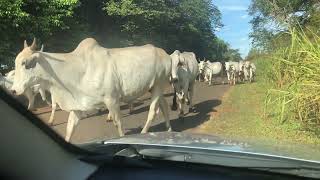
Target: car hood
x=296, y=151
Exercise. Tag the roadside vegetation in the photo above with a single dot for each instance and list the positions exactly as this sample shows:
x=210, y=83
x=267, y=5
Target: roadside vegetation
x=284, y=103
x=243, y=116
x=291, y=70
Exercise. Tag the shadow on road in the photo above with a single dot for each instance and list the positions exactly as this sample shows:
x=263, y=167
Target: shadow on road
x=203, y=114
x=45, y=112
x=165, y=95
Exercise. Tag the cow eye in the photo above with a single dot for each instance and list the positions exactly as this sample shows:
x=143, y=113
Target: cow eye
x=23, y=63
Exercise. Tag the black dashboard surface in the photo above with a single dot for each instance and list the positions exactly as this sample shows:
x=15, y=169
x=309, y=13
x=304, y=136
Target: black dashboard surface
x=169, y=170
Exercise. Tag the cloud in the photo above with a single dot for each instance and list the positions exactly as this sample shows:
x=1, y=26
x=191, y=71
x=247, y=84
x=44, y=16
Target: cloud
x=243, y=39
x=233, y=8
x=244, y=16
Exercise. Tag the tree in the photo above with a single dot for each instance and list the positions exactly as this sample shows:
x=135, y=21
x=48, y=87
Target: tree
x=25, y=19
x=187, y=25
x=272, y=18
x=184, y=25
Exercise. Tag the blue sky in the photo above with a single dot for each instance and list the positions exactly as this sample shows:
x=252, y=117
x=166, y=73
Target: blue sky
x=235, y=19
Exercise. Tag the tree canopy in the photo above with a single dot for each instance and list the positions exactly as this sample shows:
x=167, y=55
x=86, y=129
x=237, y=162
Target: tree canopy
x=187, y=25
x=272, y=19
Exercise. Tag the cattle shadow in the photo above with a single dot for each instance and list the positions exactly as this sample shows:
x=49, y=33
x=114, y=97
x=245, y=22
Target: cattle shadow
x=45, y=112
x=140, y=110
x=106, y=111
x=165, y=95
x=146, y=108
x=188, y=122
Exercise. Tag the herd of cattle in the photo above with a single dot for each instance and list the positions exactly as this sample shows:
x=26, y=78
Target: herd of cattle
x=92, y=77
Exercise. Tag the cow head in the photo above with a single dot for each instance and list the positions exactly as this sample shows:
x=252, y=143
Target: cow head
x=179, y=91
x=201, y=66
x=176, y=62
x=25, y=64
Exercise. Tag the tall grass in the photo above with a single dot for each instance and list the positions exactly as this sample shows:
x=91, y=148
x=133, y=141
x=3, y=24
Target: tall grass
x=294, y=72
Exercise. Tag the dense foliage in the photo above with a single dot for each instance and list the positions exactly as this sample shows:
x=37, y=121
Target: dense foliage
x=187, y=25
x=287, y=33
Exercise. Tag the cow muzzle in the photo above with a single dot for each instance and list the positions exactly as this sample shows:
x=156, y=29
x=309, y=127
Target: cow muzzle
x=174, y=80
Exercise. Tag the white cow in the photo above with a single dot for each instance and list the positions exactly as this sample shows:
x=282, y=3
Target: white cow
x=92, y=76
x=30, y=93
x=236, y=67
x=209, y=70
x=250, y=71
x=201, y=65
x=233, y=73
x=241, y=73
x=187, y=74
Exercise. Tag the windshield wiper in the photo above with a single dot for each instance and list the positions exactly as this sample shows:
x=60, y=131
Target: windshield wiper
x=118, y=155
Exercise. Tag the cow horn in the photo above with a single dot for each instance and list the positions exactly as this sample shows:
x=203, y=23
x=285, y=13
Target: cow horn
x=33, y=45
x=41, y=50
x=25, y=44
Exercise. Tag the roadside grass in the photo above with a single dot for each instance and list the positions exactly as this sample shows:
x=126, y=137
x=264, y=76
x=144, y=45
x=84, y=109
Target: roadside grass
x=241, y=116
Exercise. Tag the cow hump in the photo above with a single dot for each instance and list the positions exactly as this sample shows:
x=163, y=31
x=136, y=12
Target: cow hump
x=85, y=45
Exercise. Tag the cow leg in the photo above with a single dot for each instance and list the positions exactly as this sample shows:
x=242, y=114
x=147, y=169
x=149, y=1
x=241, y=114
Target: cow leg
x=165, y=111
x=73, y=120
x=210, y=79
x=181, y=108
x=153, y=108
x=43, y=94
x=206, y=77
x=174, y=101
x=191, y=88
x=114, y=110
x=130, y=108
x=30, y=96
x=187, y=99
x=109, y=118
x=31, y=103
x=228, y=77
x=53, y=110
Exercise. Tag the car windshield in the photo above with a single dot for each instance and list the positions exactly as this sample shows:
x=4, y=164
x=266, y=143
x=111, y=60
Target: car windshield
x=233, y=75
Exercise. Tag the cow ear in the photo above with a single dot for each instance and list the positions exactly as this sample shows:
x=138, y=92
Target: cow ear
x=32, y=61
x=25, y=44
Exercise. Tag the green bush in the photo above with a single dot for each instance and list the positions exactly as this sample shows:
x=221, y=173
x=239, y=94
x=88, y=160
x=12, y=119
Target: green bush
x=295, y=75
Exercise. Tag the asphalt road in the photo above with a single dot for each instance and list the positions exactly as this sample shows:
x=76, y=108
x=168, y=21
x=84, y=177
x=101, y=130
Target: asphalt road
x=206, y=99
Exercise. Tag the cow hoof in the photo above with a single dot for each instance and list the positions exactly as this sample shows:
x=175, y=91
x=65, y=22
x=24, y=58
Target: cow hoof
x=169, y=129
x=109, y=120
x=188, y=102
x=192, y=110
x=174, y=107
